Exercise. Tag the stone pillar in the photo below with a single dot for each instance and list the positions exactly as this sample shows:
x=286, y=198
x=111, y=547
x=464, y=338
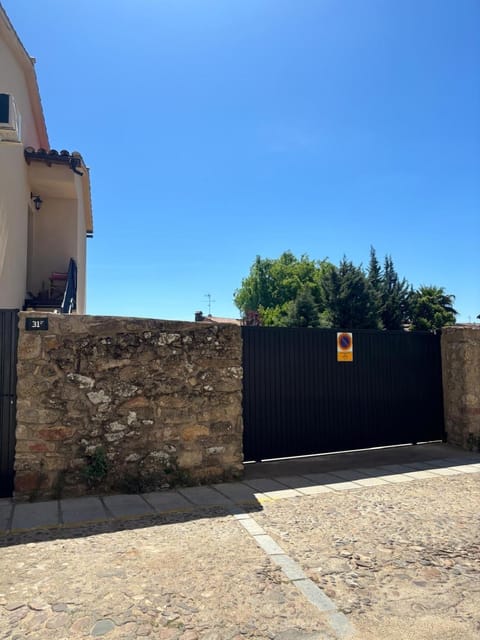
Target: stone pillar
x=461, y=385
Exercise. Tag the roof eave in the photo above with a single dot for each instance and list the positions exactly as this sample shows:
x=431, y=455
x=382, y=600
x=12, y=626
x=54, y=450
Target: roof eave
x=76, y=164
x=87, y=200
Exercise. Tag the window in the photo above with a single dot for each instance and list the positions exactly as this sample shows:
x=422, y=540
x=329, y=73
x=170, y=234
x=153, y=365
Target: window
x=4, y=108
x=10, y=120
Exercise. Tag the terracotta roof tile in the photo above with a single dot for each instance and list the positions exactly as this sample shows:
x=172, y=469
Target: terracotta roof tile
x=74, y=160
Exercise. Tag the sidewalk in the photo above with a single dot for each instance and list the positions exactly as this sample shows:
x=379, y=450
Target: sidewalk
x=263, y=482
x=375, y=545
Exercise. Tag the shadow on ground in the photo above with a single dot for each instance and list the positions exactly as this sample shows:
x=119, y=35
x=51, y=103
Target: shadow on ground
x=84, y=530
x=95, y=515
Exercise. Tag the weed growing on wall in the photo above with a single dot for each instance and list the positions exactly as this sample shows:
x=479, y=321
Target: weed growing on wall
x=97, y=468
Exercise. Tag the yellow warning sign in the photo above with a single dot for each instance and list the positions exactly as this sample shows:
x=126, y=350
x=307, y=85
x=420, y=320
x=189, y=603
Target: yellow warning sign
x=344, y=347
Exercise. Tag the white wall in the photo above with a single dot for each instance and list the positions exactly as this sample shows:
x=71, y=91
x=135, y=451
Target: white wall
x=12, y=81
x=55, y=240
x=14, y=189
x=57, y=231
x=13, y=226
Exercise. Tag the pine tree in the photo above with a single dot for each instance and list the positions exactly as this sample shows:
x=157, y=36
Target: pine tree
x=303, y=311
x=395, y=295
x=348, y=298
x=375, y=281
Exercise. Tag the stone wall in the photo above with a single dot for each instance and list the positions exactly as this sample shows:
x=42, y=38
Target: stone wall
x=107, y=404
x=461, y=385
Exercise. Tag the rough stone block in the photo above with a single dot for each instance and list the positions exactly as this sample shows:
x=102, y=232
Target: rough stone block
x=56, y=433
x=37, y=416
x=29, y=482
x=190, y=459
x=40, y=447
x=135, y=403
x=192, y=433
x=29, y=346
x=51, y=342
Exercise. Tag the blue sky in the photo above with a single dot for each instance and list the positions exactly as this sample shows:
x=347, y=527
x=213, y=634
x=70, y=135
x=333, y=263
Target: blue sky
x=217, y=130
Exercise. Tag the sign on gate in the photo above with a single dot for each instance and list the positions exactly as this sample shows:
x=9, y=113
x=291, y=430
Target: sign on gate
x=344, y=347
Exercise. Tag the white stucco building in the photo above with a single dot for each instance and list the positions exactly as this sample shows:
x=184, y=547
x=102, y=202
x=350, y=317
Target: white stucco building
x=45, y=203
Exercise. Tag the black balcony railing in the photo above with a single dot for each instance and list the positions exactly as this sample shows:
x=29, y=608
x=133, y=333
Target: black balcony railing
x=69, y=302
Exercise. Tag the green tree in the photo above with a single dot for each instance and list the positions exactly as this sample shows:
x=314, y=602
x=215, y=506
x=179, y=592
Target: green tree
x=395, y=297
x=348, y=297
x=256, y=287
x=290, y=291
x=272, y=286
x=303, y=311
x=431, y=308
x=375, y=281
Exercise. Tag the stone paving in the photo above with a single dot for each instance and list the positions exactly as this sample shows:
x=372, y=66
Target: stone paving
x=400, y=561
x=376, y=553
x=172, y=578
x=252, y=491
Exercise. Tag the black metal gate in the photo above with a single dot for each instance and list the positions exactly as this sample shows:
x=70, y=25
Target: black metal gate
x=8, y=382
x=299, y=400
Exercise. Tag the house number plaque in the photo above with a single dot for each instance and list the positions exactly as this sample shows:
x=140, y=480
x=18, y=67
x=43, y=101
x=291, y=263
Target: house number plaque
x=36, y=324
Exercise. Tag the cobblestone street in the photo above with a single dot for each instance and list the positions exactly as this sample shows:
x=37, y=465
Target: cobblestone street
x=402, y=561
x=381, y=558
x=200, y=578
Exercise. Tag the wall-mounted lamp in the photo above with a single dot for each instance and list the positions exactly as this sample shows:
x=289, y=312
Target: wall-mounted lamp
x=37, y=201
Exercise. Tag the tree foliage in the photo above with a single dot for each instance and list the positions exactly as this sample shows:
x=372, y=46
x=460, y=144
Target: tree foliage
x=272, y=285
x=391, y=296
x=432, y=308
x=290, y=291
x=375, y=281
x=303, y=311
x=348, y=298
x=395, y=297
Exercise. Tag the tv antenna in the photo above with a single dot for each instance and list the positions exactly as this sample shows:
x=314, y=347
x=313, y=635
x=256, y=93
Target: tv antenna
x=209, y=296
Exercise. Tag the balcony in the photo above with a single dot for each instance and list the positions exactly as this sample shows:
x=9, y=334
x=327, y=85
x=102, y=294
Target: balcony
x=61, y=294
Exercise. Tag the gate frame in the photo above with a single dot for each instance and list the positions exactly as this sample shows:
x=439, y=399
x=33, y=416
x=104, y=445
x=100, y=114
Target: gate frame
x=8, y=398
x=267, y=391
